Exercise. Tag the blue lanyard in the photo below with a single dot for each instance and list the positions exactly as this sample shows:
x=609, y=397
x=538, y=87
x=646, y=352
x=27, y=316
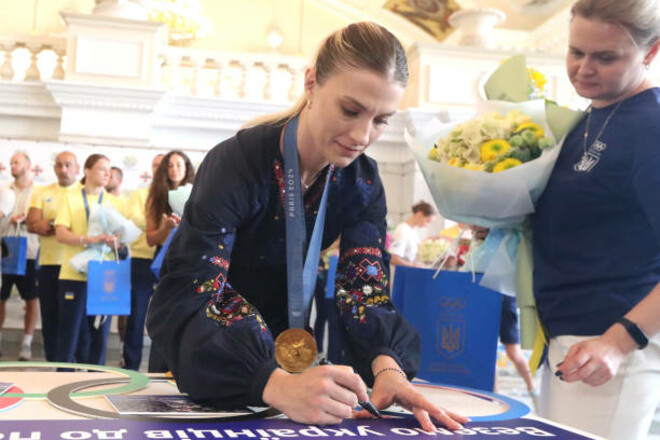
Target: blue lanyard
x=84, y=194
x=300, y=280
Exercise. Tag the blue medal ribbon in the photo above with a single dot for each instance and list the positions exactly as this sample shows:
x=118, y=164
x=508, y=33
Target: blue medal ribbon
x=84, y=194
x=301, y=280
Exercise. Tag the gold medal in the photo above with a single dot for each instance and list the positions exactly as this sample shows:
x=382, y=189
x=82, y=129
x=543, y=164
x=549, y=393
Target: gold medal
x=295, y=350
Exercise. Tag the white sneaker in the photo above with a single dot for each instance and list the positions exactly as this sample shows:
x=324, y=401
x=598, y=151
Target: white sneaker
x=26, y=353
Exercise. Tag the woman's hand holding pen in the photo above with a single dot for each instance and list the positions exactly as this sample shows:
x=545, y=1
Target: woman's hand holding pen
x=391, y=386
x=322, y=395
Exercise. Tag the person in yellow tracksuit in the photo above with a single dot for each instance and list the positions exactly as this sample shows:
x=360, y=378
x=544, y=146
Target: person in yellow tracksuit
x=81, y=338
x=44, y=206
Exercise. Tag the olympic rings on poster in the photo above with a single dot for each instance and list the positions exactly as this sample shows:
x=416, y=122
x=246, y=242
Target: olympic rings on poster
x=62, y=397
x=137, y=380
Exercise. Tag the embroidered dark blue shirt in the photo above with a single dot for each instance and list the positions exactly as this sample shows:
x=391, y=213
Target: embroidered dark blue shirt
x=222, y=296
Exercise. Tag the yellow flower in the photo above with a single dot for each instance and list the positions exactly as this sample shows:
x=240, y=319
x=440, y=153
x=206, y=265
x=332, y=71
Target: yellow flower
x=491, y=149
x=506, y=164
x=535, y=128
x=539, y=79
x=474, y=166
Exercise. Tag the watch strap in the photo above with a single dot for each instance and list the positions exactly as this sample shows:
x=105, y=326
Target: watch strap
x=635, y=332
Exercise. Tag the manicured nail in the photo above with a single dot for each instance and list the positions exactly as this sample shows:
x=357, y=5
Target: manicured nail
x=559, y=364
x=559, y=373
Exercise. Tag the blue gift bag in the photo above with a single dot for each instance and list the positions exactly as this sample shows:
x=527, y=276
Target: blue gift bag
x=15, y=262
x=458, y=321
x=158, y=261
x=109, y=287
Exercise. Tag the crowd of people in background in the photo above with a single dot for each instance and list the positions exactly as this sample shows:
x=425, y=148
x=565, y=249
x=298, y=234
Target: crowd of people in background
x=54, y=219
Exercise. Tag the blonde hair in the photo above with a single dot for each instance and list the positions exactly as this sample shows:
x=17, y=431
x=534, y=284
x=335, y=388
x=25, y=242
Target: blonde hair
x=640, y=18
x=362, y=45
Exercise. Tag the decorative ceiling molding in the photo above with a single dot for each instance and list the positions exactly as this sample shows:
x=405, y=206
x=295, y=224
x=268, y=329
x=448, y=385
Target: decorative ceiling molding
x=75, y=94
x=429, y=15
x=27, y=99
x=405, y=31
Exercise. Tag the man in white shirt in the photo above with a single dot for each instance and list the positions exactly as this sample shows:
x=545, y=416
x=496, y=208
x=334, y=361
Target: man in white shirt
x=14, y=224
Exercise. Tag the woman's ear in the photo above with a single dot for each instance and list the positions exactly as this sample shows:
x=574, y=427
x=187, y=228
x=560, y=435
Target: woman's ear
x=648, y=59
x=310, y=82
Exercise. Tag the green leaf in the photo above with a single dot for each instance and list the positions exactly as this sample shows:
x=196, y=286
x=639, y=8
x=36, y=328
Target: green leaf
x=509, y=82
x=561, y=119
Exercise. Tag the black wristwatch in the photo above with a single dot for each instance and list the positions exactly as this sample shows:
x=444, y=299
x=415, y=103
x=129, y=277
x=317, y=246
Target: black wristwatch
x=635, y=332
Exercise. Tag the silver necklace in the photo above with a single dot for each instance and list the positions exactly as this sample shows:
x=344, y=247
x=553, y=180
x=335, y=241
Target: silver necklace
x=306, y=186
x=596, y=141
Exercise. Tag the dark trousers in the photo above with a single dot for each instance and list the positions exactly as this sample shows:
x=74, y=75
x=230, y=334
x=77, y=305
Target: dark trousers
x=142, y=286
x=80, y=339
x=47, y=282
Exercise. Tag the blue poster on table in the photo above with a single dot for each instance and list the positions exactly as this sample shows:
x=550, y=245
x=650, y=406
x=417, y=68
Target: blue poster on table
x=274, y=429
x=158, y=261
x=15, y=262
x=109, y=288
x=458, y=321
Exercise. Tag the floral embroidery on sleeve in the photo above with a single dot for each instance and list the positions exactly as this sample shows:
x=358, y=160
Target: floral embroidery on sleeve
x=231, y=307
x=362, y=282
x=224, y=305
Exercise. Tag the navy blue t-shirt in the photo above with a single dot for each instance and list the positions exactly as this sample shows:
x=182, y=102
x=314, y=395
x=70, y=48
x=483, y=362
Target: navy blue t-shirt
x=597, y=225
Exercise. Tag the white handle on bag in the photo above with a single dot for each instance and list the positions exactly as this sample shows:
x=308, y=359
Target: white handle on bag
x=443, y=258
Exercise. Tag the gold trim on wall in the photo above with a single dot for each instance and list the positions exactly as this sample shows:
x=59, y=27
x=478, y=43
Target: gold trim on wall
x=429, y=15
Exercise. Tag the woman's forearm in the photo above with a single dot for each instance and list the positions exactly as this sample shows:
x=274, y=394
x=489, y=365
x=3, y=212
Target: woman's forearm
x=65, y=236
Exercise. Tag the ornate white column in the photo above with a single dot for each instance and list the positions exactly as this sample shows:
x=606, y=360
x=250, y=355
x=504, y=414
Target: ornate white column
x=476, y=24
x=131, y=9
x=111, y=85
x=104, y=48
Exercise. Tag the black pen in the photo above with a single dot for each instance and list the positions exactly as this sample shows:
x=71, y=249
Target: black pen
x=364, y=404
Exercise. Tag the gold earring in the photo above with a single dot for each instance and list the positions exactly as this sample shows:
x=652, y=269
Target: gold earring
x=309, y=104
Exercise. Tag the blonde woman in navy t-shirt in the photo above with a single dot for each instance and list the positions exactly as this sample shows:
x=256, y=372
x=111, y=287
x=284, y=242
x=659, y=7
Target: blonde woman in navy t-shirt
x=597, y=230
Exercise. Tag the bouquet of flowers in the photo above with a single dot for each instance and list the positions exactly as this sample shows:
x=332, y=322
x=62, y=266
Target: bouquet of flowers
x=463, y=163
x=490, y=170
x=430, y=250
x=492, y=142
x=104, y=219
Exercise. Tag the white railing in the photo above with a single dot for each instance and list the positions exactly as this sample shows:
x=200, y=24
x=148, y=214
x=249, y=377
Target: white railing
x=32, y=58
x=254, y=77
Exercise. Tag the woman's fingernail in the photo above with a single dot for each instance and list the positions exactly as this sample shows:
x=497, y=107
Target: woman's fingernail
x=559, y=373
x=559, y=364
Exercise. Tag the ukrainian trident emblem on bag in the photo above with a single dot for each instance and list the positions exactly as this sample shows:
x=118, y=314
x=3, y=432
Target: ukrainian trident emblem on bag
x=450, y=336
